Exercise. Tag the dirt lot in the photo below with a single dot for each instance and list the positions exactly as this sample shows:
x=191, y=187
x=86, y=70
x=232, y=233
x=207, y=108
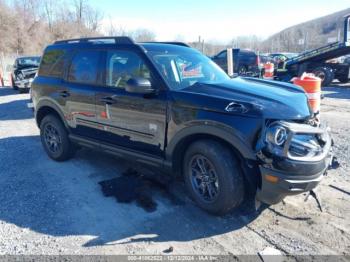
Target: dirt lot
x=58, y=208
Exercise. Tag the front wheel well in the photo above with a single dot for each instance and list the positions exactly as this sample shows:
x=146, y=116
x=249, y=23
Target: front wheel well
x=184, y=144
x=248, y=168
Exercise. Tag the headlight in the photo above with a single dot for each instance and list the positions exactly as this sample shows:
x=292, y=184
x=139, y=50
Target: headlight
x=287, y=139
x=305, y=145
x=277, y=135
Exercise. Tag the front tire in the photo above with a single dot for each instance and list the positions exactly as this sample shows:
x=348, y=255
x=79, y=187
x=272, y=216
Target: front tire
x=212, y=176
x=22, y=90
x=55, y=140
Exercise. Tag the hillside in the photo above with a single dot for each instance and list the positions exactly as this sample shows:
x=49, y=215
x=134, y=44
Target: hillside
x=308, y=35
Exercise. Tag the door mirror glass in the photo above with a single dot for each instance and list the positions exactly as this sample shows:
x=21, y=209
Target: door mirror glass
x=139, y=85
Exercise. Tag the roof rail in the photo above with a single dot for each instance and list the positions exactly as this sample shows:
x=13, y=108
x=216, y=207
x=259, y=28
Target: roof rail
x=117, y=40
x=169, y=43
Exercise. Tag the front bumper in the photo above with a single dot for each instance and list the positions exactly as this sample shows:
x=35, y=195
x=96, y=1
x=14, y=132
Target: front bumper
x=289, y=183
x=289, y=175
x=24, y=84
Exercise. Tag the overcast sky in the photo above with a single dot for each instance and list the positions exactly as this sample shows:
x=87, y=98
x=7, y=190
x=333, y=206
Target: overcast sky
x=219, y=20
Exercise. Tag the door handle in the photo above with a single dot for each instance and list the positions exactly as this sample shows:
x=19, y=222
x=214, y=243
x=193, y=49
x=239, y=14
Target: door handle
x=64, y=93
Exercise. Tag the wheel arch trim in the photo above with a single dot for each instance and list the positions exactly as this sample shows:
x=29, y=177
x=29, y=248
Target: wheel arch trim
x=213, y=131
x=52, y=105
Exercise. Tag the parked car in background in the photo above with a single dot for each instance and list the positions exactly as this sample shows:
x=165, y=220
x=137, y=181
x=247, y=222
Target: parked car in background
x=245, y=62
x=347, y=60
x=24, y=71
x=286, y=55
x=170, y=107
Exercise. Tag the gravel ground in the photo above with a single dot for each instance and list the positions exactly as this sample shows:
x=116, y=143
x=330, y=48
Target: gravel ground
x=59, y=208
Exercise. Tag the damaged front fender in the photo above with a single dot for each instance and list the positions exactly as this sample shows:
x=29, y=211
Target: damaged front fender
x=292, y=164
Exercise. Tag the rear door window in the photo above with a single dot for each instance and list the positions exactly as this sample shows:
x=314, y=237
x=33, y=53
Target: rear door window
x=84, y=67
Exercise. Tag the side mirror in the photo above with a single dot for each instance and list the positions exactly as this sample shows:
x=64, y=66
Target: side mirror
x=139, y=85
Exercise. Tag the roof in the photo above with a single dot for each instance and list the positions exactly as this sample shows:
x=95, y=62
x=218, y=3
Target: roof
x=108, y=42
x=164, y=47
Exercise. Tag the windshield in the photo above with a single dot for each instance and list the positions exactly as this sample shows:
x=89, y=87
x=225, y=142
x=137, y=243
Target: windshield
x=184, y=68
x=26, y=61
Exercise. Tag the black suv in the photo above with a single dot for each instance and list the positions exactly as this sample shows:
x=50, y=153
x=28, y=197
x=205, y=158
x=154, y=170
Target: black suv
x=170, y=107
x=24, y=71
x=245, y=62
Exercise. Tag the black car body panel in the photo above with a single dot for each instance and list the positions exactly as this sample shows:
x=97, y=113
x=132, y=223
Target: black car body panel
x=267, y=99
x=156, y=128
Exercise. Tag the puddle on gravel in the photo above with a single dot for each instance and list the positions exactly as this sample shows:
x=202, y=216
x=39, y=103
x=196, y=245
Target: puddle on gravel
x=139, y=187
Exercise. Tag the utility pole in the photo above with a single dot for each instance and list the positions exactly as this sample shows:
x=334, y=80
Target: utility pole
x=229, y=62
x=305, y=41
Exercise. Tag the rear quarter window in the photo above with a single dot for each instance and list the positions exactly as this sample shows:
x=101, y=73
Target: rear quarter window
x=52, y=63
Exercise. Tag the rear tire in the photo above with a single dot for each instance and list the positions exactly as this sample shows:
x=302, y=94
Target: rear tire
x=55, y=140
x=242, y=70
x=325, y=73
x=212, y=177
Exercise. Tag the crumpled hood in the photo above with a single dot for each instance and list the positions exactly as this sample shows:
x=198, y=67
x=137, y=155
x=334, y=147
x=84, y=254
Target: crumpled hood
x=269, y=99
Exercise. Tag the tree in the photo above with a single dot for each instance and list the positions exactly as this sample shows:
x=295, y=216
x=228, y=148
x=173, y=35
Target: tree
x=143, y=35
x=6, y=28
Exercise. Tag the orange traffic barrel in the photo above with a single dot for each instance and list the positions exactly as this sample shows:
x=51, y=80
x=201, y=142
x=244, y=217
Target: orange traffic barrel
x=312, y=87
x=268, y=70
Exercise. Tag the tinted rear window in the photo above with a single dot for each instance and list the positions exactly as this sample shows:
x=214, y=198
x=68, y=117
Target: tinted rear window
x=247, y=53
x=84, y=67
x=52, y=63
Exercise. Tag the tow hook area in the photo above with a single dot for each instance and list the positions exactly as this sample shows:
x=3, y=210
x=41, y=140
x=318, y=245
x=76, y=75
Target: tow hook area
x=315, y=196
x=334, y=163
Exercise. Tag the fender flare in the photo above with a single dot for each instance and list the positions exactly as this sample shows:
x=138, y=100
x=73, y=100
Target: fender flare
x=48, y=103
x=221, y=133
